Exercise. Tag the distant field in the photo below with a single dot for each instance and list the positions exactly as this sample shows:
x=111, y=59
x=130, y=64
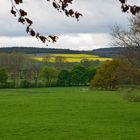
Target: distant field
x=73, y=57
x=67, y=114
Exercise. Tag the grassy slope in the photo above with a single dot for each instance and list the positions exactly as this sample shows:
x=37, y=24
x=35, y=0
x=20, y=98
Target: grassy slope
x=67, y=114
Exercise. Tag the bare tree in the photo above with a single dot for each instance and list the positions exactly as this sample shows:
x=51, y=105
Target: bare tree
x=130, y=57
x=130, y=40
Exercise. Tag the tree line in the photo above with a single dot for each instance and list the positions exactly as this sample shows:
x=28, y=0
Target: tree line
x=20, y=70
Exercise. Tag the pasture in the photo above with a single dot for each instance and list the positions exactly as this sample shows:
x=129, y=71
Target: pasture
x=67, y=114
x=73, y=57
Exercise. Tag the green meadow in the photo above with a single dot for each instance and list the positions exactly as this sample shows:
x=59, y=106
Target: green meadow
x=67, y=114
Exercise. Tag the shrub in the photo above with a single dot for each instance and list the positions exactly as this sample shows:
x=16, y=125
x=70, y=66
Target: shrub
x=131, y=97
x=114, y=74
x=107, y=76
x=10, y=84
x=25, y=84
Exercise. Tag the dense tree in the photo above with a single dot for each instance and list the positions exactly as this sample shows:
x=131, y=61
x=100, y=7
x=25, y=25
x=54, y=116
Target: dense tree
x=79, y=75
x=116, y=73
x=107, y=76
x=3, y=77
x=128, y=74
x=91, y=72
x=64, y=78
x=49, y=74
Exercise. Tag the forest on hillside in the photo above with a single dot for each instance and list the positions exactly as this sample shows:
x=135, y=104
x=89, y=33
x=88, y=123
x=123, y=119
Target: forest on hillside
x=102, y=52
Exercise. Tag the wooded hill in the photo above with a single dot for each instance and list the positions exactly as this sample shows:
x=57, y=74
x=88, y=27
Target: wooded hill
x=102, y=52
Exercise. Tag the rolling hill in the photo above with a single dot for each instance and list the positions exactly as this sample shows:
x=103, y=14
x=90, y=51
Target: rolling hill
x=102, y=52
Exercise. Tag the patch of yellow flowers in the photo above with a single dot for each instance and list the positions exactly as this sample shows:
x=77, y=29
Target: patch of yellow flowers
x=73, y=57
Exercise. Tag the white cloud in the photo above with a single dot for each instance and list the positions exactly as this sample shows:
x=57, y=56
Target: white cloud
x=84, y=41
x=71, y=41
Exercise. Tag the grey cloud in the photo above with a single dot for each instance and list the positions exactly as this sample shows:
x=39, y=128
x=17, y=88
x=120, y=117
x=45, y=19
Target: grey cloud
x=98, y=17
x=92, y=31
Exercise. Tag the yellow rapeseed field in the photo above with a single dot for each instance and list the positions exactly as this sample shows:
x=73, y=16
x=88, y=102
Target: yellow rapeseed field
x=73, y=57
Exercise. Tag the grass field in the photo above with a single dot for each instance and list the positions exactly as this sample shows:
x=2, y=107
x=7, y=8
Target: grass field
x=67, y=114
x=73, y=57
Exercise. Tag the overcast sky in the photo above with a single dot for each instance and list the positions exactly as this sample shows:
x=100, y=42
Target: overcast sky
x=92, y=31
